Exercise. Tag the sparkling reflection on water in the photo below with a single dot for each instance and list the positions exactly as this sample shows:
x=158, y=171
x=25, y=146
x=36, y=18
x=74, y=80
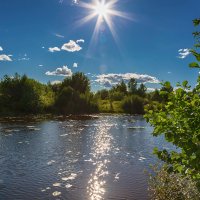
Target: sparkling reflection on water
x=102, y=158
x=100, y=154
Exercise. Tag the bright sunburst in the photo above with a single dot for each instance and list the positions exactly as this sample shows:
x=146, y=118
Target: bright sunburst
x=103, y=11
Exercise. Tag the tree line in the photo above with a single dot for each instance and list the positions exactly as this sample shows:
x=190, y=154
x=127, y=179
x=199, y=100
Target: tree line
x=21, y=94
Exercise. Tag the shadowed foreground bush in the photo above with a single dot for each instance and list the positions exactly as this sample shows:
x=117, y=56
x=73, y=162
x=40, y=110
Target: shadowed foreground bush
x=165, y=186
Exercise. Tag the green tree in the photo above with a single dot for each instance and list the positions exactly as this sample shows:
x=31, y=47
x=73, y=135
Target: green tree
x=133, y=104
x=120, y=88
x=79, y=82
x=179, y=121
x=103, y=94
x=142, y=90
x=132, y=86
x=155, y=96
x=20, y=94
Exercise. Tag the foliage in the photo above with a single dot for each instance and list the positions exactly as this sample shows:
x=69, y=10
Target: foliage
x=21, y=94
x=171, y=186
x=133, y=104
x=103, y=94
x=74, y=96
x=142, y=90
x=120, y=88
x=107, y=106
x=132, y=86
x=79, y=82
x=179, y=121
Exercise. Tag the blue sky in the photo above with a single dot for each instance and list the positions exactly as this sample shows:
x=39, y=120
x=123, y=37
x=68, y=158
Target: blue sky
x=147, y=48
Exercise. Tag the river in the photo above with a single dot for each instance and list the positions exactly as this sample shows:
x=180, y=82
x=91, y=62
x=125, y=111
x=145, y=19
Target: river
x=69, y=159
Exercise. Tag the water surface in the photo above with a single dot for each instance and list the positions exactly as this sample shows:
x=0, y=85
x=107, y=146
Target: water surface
x=100, y=158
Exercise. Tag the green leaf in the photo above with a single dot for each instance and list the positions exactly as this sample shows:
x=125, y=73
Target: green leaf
x=196, y=22
x=197, y=55
x=185, y=83
x=194, y=65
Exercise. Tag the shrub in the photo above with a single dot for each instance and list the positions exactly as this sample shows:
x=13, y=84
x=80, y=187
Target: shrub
x=133, y=104
x=172, y=186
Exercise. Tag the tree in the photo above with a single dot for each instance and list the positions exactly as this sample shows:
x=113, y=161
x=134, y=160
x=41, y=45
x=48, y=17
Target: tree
x=120, y=88
x=79, y=82
x=133, y=105
x=142, y=90
x=103, y=94
x=179, y=121
x=20, y=94
x=155, y=96
x=132, y=86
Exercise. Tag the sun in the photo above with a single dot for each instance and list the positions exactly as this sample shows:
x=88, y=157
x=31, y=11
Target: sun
x=104, y=11
x=101, y=9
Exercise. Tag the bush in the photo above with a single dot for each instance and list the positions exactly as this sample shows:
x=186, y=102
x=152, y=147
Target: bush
x=133, y=104
x=165, y=186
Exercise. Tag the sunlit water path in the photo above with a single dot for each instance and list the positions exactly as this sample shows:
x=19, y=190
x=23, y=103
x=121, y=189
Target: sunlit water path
x=101, y=158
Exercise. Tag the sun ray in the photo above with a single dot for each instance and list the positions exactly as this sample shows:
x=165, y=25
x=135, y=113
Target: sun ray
x=104, y=11
x=86, y=19
x=120, y=14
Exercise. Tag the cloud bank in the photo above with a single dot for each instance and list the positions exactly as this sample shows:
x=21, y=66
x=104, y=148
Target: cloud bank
x=60, y=71
x=108, y=80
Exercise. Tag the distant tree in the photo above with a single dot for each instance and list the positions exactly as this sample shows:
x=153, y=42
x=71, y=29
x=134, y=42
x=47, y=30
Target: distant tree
x=133, y=104
x=20, y=94
x=141, y=91
x=155, y=96
x=79, y=82
x=132, y=86
x=120, y=88
x=70, y=101
x=103, y=94
x=116, y=96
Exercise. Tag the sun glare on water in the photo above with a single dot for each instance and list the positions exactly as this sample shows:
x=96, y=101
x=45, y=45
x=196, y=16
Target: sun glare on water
x=104, y=11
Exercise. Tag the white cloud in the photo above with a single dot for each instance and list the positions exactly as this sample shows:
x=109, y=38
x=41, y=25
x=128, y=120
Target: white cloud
x=75, y=65
x=53, y=49
x=1, y=49
x=108, y=80
x=183, y=53
x=60, y=36
x=43, y=47
x=4, y=57
x=80, y=40
x=40, y=65
x=71, y=46
x=60, y=71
